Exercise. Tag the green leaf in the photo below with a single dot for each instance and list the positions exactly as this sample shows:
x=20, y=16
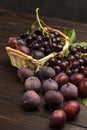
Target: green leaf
x=71, y=34
x=84, y=101
x=79, y=43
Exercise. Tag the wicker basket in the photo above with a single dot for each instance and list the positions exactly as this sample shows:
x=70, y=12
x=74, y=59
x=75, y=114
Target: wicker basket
x=19, y=59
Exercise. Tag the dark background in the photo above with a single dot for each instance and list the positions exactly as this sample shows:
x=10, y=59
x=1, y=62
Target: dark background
x=74, y=10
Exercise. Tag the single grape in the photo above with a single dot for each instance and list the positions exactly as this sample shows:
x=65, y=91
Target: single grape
x=75, y=64
x=52, y=62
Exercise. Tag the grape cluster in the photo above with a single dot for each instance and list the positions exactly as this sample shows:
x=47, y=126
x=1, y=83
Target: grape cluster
x=76, y=61
x=45, y=42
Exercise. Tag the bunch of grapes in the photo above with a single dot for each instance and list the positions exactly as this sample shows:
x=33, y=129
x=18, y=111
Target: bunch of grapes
x=45, y=42
x=76, y=61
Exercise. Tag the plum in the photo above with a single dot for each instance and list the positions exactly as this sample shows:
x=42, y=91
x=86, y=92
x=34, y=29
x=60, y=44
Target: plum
x=83, y=88
x=53, y=99
x=72, y=109
x=37, y=54
x=13, y=42
x=62, y=78
x=75, y=78
x=69, y=91
x=58, y=118
x=32, y=83
x=31, y=100
x=24, y=49
x=24, y=73
x=49, y=84
x=46, y=72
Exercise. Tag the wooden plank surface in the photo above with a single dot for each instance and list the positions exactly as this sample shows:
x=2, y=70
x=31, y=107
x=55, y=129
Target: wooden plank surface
x=12, y=116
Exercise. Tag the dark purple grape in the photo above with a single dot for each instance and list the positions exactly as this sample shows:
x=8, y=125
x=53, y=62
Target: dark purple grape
x=72, y=50
x=59, y=57
x=38, y=32
x=39, y=39
x=76, y=70
x=78, y=48
x=77, y=56
x=82, y=68
x=29, y=39
x=52, y=62
x=63, y=65
x=71, y=58
x=46, y=37
x=42, y=49
x=58, y=40
x=84, y=49
x=75, y=64
x=35, y=46
x=54, y=47
x=48, y=51
x=57, y=69
x=53, y=40
x=56, y=34
x=59, y=47
x=81, y=61
x=34, y=36
x=58, y=62
x=45, y=44
x=24, y=35
x=68, y=72
x=85, y=61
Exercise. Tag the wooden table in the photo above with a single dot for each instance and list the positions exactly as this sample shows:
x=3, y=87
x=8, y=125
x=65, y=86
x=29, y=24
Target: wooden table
x=12, y=116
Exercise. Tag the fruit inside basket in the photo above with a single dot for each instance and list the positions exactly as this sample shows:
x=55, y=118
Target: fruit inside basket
x=36, y=46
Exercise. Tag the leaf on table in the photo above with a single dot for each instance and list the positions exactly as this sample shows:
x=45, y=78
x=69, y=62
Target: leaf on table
x=84, y=101
x=71, y=34
x=79, y=43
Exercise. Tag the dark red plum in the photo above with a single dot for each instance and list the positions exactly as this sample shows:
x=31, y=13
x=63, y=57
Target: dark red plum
x=62, y=78
x=69, y=91
x=49, y=84
x=24, y=49
x=83, y=88
x=53, y=99
x=85, y=72
x=24, y=73
x=58, y=118
x=72, y=109
x=76, y=78
x=32, y=83
x=13, y=42
x=31, y=100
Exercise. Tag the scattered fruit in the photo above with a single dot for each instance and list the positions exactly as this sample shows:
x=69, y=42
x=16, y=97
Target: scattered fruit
x=62, y=78
x=32, y=83
x=31, y=100
x=46, y=72
x=58, y=118
x=83, y=88
x=76, y=78
x=49, y=84
x=72, y=109
x=53, y=99
x=69, y=91
x=24, y=73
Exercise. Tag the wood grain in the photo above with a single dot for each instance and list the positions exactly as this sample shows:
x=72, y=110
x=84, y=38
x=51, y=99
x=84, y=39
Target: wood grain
x=12, y=115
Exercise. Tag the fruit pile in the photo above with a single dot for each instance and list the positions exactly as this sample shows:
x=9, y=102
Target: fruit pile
x=61, y=80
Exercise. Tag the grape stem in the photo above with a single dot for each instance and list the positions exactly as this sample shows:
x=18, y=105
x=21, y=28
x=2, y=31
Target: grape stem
x=39, y=22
